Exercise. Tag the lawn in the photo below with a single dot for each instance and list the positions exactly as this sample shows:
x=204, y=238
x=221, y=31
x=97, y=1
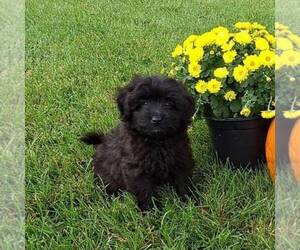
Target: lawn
x=77, y=54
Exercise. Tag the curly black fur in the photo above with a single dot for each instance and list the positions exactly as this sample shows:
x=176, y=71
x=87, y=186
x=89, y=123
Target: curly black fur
x=150, y=146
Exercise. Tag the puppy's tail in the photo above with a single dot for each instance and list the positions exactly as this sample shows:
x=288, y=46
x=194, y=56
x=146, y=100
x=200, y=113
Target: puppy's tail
x=92, y=138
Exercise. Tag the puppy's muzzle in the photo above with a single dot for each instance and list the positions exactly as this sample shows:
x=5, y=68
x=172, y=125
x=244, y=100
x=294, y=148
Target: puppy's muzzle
x=156, y=118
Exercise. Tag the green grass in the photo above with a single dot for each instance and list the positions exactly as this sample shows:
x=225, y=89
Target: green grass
x=77, y=54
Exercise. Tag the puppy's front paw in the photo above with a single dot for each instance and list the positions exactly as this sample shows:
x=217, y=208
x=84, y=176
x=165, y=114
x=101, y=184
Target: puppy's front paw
x=144, y=206
x=184, y=191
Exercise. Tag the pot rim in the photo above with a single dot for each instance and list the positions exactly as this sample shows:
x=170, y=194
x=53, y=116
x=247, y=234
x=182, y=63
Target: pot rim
x=237, y=119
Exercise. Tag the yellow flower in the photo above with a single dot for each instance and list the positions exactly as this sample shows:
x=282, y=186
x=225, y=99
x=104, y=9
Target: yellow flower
x=280, y=26
x=261, y=44
x=194, y=69
x=177, y=51
x=201, y=87
x=268, y=114
x=267, y=58
x=219, y=30
x=271, y=39
x=205, y=39
x=187, y=49
x=243, y=25
x=221, y=72
x=240, y=73
x=252, y=62
x=283, y=43
x=228, y=46
x=291, y=114
x=196, y=54
x=245, y=112
x=243, y=37
x=285, y=33
x=258, y=26
x=214, y=86
x=290, y=58
x=295, y=39
x=229, y=56
x=222, y=35
x=222, y=39
x=189, y=41
x=260, y=33
x=230, y=96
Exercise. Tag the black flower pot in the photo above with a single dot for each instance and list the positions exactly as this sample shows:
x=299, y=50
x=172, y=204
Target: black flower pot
x=241, y=141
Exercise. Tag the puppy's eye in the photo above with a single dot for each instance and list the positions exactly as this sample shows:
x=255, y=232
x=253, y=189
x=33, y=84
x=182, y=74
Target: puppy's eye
x=169, y=104
x=145, y=103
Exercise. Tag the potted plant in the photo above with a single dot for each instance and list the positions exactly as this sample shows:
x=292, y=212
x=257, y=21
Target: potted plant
x=231, y=75
x=287, y=87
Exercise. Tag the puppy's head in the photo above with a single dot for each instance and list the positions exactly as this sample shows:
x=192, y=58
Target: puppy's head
x=155, y=106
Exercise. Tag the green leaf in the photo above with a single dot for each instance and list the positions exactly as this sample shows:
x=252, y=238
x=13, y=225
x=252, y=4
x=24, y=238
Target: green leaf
x=217, y=113
x=214, y=102
x=236, y=106
x=230, y=80
x=225, y=112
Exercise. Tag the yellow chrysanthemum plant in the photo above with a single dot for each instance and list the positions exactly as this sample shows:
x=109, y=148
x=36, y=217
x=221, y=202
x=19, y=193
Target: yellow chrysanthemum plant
x=287, y=72
x=231, y=73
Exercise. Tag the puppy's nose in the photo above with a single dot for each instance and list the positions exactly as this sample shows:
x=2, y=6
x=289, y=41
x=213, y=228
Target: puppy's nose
x=156, y=119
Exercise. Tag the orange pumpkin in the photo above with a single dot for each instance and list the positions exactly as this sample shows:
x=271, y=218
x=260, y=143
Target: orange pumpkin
x=294, y=150
x=270, y=151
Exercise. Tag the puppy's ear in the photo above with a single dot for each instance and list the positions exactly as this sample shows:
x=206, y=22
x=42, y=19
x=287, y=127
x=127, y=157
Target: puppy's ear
x=122, y=102
x=191, y=109
x=122, y=98
x=188, y=107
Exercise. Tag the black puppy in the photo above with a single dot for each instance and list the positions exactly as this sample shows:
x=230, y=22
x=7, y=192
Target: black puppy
x=150, y=146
